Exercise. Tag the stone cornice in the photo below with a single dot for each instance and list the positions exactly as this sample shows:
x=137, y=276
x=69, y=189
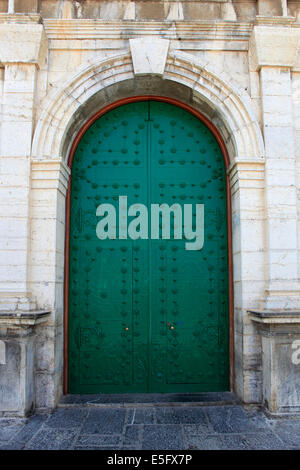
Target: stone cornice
x=241, y=164
x=275, y=316
x=50, y=174
x=274, y=20
x=25, y=319
x=20, y=18
x=127, y=29
x=43, y=164
x=247, y=170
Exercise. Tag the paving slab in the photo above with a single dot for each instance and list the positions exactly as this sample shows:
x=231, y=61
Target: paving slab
x=10, y=428
x=67, y=418
x=230, y=419
x=158, y=427
x=132, y=435
x=104, y=421
x=264, y=441
x=193, y=415
x=289, y=432
x=51, y=439
x=168, y=436
x=144, y=416
x=205, y=442
x=98, y=440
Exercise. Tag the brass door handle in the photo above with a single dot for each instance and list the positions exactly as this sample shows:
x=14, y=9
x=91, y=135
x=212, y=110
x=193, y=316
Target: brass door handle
x=126, y=329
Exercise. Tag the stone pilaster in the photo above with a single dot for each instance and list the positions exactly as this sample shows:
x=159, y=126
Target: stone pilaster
x=23, y=50
x=49, y=182
x=248, y=246
x=272, y=56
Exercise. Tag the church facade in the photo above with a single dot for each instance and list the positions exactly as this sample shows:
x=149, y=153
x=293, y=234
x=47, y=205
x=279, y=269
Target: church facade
x=111, y=108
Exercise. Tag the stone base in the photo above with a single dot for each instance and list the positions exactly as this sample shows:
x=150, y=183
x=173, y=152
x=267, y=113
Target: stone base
x=17, y=361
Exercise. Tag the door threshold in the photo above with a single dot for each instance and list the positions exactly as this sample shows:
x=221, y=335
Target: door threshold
x=151, y=399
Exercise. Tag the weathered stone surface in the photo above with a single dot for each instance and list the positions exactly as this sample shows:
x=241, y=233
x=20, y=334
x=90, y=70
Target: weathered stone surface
x=273, y=46
x=133, y=433
x=263, y=441
x=95, y=441
x=143, y=416
x=52, y=439
x=29, y=429
x=231, y=419
x=9, y=429
x=10, y=386
x=162, y=437
x=205, y=442
x=289, y=433
x=102, y=421
x=202, y=426
x=67, y=418
x=179, y=415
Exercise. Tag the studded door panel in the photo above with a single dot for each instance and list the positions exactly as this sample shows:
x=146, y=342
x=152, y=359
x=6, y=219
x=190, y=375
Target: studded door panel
x=148, y=315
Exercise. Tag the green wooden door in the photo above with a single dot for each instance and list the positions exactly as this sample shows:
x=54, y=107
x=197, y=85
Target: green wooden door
x=147, y=315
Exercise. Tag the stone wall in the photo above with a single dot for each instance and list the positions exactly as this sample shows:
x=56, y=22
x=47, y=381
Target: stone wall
x=237, y=62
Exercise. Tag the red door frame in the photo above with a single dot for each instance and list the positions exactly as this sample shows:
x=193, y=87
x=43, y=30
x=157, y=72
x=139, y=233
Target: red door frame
x=221, y=143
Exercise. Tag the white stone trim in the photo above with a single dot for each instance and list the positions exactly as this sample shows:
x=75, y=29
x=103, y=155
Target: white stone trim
x=284, y=319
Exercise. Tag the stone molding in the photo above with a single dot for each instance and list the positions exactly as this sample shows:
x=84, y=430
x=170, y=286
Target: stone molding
x=50, y=174
x=275, y=317
x=248, y=171
x=26, y=319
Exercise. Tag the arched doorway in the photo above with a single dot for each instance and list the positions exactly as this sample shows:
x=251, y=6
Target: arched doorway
x=148, y=315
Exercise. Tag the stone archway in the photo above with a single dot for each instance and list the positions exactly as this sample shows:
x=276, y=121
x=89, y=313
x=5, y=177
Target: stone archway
x=66, y=109
x=227, y=106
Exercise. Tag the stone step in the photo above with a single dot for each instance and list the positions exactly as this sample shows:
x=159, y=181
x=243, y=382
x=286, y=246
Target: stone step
x=150, y=399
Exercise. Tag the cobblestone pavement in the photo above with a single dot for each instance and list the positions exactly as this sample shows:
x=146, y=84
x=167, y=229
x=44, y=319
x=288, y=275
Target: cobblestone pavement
x=151, y=427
